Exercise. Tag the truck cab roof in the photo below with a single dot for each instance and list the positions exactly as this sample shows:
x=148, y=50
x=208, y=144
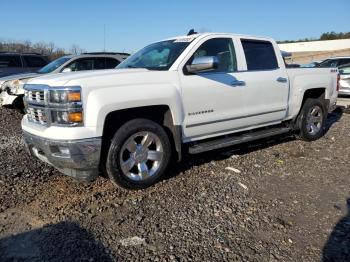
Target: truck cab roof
x=202, y=35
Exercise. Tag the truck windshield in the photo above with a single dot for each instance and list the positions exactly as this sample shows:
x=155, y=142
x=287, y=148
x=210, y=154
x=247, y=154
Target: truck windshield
x=157, y=56
x=53, y=65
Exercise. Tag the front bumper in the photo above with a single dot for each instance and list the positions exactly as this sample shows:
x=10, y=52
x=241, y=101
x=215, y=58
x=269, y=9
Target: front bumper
x=76, y=158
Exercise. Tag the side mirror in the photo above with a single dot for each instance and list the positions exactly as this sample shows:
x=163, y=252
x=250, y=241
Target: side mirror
x=66, y=70
x=203, y=63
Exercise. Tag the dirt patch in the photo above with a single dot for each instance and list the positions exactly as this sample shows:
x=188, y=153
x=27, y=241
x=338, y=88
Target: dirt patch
x=274, y=200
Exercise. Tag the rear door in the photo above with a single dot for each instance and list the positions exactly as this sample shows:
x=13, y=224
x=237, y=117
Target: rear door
x=10, y=64
x=266, y=83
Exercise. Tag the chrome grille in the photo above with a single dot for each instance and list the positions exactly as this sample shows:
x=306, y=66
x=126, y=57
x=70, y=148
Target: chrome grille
x=37, y=115
x=35, y=96
x=35, y=102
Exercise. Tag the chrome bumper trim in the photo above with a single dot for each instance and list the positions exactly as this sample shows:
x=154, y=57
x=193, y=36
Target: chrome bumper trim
x=80, y=158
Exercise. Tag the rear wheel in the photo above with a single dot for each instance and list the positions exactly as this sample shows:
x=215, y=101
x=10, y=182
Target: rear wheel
x=312, y=119
x=139, y=154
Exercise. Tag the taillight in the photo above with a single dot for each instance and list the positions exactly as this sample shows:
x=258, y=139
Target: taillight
x=338, y=85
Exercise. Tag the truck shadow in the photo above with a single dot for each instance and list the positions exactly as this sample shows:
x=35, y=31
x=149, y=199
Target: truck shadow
x=337, y=247
x=245, y=148
x=65, y=241
x=334, y=117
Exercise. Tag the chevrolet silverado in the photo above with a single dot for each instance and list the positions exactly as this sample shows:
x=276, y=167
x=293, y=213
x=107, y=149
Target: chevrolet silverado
x=187, y=94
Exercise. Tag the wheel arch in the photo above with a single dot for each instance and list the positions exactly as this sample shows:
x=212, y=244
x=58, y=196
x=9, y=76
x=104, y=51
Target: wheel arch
x=315, y=93
x=161, y=114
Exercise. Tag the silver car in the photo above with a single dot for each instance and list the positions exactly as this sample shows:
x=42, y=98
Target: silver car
x=344, y=82
x=11, y=87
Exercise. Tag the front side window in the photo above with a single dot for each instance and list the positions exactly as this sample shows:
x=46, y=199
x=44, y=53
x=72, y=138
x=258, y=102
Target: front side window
x=10, y=61
x=260, y=55
x=53, y=65
x=34, y=61
x=81, y=64
x=223, y=49
x=157, y=56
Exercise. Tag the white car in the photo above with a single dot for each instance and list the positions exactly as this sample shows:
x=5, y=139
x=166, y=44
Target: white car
x=344, y=82
x=11, y=87
x=187, y=94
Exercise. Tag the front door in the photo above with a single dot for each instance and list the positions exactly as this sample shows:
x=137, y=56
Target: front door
x=213, y=101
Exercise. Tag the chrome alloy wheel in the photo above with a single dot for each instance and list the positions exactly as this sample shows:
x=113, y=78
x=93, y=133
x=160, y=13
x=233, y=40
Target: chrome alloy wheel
x=141, y=155
x=314, y=120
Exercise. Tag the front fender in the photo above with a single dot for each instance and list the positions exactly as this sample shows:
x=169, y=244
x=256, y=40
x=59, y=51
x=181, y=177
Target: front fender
x=101, y=102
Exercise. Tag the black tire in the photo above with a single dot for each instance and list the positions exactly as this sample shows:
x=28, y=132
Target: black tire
x=306, y=132
x=118, y=149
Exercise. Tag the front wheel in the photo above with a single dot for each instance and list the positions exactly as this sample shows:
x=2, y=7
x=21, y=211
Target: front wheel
x=139, y=154
x=312, y=120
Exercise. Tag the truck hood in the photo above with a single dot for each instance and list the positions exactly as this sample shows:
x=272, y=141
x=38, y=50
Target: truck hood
x=74, y=77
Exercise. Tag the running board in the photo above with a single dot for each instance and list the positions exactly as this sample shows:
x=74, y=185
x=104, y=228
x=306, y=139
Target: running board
x=235, y=140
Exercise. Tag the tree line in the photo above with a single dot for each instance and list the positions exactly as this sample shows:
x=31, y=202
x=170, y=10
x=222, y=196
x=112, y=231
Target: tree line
x=325, y=36
x=47, y=49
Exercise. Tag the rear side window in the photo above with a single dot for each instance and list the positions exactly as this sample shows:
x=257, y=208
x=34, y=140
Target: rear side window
x=105, y=63
x=260, y=55
x=34, y=61
x=10, y=61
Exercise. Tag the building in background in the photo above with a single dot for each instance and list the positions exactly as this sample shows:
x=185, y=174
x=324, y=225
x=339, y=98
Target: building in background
x=307, y=52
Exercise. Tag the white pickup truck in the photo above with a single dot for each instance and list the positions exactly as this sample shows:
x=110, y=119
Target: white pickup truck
x=189, y=94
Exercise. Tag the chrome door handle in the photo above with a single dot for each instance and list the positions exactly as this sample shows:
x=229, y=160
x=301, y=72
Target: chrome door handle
x=282, y=80
x=237, y=83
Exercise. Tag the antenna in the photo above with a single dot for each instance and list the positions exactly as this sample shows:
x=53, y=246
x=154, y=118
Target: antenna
x=104, y=37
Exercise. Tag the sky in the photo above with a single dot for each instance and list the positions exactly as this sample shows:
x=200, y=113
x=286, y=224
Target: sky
x=130, y=25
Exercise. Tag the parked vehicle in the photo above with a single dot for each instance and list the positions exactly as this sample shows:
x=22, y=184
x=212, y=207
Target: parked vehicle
x=187, y=94
x=14, y=63
x=312, y=64
x=335, y=61
x=11, y=87
x=344, y=82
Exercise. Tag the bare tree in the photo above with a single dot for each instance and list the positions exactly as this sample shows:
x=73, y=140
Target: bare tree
x=50, y=48
x=76, y=50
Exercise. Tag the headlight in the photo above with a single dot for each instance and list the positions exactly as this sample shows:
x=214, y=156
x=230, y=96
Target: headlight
x=67, y=117
x=66, y=107
x=60, y=106
x=65, y=96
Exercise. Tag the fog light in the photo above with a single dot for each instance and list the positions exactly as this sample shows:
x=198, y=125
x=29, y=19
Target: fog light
x=75, y=117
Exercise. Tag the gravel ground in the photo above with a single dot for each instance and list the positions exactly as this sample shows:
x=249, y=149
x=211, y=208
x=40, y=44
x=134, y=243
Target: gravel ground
x=275, y=200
